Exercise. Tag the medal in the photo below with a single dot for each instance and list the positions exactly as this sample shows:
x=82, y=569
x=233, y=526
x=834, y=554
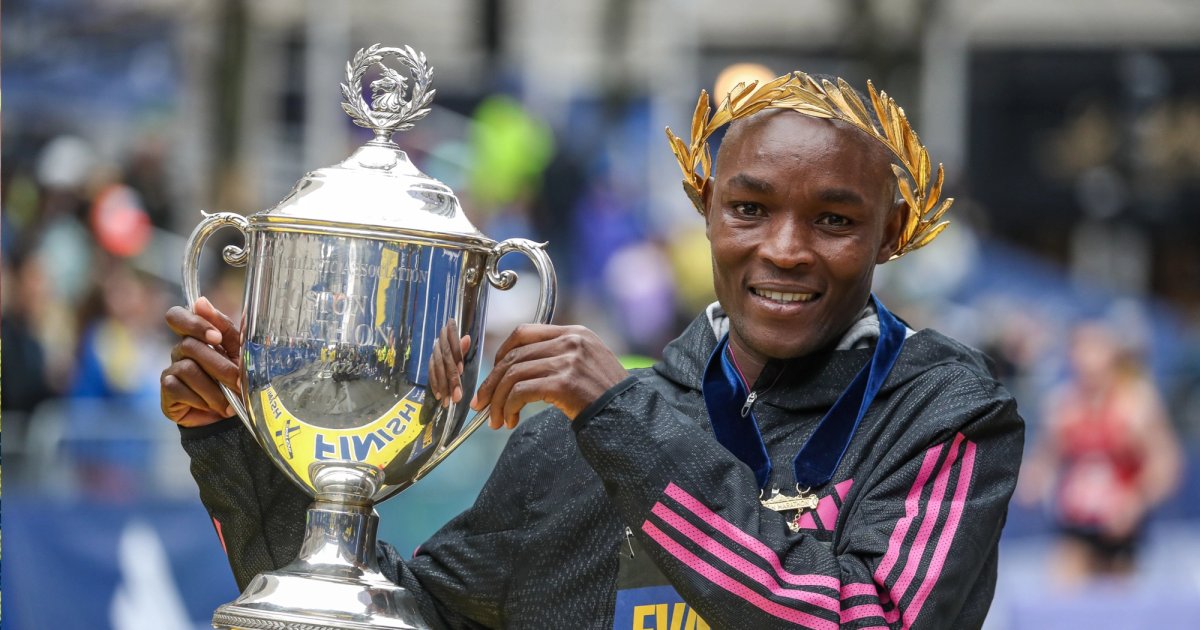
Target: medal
x=783, y=503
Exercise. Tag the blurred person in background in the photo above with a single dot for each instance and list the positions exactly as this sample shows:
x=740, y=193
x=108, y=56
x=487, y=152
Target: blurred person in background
x=121, y=348
x=120, y=355
x=1107, y=456
x=25, y=384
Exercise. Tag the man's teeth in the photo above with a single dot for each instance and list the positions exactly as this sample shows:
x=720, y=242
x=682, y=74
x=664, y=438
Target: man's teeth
x=785, y=297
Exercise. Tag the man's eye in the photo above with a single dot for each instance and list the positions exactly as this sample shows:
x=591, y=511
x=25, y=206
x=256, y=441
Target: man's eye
x=748, y=209
x=834, y=220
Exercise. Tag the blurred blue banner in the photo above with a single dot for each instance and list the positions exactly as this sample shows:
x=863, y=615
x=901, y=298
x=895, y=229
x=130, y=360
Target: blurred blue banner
x=87, y=566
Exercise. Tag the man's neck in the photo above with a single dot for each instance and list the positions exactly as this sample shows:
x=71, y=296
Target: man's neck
x=749, y=362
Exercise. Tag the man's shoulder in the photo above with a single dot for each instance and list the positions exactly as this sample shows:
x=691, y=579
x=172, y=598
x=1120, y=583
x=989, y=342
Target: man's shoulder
x=943, y=387
x=930, y=355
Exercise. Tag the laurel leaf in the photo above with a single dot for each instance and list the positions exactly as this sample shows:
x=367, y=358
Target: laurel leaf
x=719, y=118
x=880, y=110
x=922, y=171
x=856, y=104
x=835, y=95
x=929, y=236
x=906, y=191
x=807, y=97
x=935, y=192
x=766, y=90
x=701, y=114
x=912, y=147
x=680, y=151
x=809, y=110
x=741, y=91
x=911, y=224
x=891, y=125
x=706, y=162
x=809, y=83
x=942, y=210
x=694, y=196
x=724, y=105
x=685, y=152
x=753, y=109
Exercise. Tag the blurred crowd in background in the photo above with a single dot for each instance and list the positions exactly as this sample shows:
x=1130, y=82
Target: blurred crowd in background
x=1070, y=131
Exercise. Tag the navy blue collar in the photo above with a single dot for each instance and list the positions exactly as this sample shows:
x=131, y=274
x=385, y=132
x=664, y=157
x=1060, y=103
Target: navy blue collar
x=731, y=412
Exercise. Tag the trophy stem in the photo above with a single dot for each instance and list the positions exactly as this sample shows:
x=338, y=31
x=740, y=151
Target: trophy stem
x=335, y=582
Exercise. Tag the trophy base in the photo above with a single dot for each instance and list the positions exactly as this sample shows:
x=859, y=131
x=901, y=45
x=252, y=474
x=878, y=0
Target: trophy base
x=282, y=600
x=335, y=582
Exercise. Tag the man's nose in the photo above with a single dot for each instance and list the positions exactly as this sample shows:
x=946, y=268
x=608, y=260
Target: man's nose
x=787, y=245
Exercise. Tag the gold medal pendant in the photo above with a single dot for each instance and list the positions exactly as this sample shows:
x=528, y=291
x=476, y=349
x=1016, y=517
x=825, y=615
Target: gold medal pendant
x=783, y=503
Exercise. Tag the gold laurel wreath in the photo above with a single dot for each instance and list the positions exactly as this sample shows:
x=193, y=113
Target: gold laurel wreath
x=798, y=92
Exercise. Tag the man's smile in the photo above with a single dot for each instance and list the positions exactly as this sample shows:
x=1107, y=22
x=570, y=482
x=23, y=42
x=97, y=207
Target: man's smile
x=783, y=300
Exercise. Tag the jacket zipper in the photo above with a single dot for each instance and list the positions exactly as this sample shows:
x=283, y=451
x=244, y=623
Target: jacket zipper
x=749, y=403
x=746, y=408
x=749, y=406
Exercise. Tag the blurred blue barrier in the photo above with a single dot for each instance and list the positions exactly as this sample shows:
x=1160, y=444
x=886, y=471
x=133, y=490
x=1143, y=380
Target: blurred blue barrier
x=83, y=565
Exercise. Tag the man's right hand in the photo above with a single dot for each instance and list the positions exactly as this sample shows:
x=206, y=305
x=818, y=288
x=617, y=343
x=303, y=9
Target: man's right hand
x=206, y=354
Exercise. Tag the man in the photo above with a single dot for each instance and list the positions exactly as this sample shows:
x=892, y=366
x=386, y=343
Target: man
x=800, y=458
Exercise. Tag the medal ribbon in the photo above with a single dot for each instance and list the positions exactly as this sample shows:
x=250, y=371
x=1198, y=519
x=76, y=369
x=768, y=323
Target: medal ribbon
x=725, y=393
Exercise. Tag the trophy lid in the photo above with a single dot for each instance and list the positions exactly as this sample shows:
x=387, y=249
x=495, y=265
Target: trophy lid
x=378, y=187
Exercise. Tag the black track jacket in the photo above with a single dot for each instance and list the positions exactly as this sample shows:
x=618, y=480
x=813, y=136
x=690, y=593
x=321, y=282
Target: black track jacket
x=905, y=534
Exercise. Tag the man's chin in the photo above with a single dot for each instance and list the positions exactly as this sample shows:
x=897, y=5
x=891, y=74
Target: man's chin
x=804, y=347
x=776, y=341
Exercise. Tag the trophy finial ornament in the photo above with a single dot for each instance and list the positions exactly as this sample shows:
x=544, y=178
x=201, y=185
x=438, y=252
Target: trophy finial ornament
x=389, y=111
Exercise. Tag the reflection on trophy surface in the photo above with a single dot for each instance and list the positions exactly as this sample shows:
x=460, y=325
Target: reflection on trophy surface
x=362, y=286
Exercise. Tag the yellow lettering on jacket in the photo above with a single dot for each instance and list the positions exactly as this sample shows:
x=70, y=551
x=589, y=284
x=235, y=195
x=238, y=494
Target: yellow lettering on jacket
x=675, y=620
x=677, y=616
x=639, y=616
x=694, y=622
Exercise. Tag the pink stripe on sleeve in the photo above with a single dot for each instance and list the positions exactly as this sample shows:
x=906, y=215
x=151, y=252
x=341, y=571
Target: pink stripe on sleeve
x=854, y=590
x=861, y=612
x=911, y=506
x=873, y=609
x=947, y=537
x=870, y=610
x=733, y=586
x=932, y=510
x=746, y=540
x=741, y=564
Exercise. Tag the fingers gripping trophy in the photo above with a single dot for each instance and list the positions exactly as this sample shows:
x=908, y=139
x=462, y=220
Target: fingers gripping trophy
x=361, y=287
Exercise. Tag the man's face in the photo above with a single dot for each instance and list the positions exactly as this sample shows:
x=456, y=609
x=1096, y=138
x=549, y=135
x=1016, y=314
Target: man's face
x=799, y=212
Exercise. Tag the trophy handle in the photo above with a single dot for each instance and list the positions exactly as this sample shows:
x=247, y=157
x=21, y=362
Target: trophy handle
x=504, y=280
x=234, y=255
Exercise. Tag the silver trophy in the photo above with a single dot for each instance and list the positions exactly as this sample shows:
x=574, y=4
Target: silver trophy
x=350, y=281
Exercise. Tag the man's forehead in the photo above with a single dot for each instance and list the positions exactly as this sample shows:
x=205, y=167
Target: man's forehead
x=776, y=131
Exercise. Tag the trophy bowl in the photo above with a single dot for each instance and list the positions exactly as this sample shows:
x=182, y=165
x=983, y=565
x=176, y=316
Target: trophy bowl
x=351, y=281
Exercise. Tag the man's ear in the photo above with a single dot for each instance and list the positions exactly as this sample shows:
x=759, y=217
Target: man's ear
x=892, y=230
x=706, y=195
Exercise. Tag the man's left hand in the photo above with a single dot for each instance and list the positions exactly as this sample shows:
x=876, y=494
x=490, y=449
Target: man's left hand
x=566, y=366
